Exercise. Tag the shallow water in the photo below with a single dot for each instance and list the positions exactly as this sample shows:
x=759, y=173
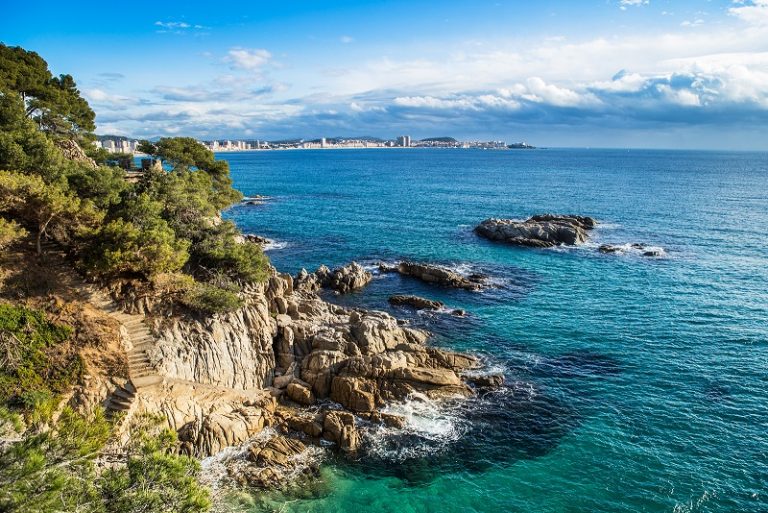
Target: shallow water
x=634, y=383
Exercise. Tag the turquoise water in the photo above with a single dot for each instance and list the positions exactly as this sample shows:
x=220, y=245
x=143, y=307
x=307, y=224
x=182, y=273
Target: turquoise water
x=633, y=384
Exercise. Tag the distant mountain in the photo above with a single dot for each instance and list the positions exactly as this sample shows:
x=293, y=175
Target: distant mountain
x=440, y=139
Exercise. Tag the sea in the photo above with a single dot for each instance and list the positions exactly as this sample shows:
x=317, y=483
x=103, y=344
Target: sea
x=633, y=383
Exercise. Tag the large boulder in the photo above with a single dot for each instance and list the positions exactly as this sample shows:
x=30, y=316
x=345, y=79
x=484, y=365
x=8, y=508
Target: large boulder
x=273, y=462
x=416, y=302
x=339, y=427
x=540, y=231
x=348, y=278
x=436, y=274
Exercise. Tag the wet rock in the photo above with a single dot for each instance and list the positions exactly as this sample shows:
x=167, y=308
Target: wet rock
x=392, y=420
x=488, y=381
x=646, y=251
x=541, y=231
x=339, y=427
x=273, y=463
x=436, y=274
x=417, y=302
x=257, y=239
x=608, y=248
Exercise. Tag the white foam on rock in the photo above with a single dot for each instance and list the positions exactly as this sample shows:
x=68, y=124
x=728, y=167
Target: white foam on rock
x=430, y=425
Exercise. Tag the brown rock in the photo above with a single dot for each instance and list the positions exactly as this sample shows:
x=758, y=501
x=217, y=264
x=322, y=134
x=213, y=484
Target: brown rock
x=300, y=394
x=417, y=302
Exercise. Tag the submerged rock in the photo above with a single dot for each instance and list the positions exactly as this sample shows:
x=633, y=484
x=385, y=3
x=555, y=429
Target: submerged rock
x=436, y=274
x=646, y=251
x=540, y=231
x=417, y=302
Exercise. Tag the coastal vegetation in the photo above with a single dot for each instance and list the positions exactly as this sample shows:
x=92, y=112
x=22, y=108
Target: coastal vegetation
x=163, y=231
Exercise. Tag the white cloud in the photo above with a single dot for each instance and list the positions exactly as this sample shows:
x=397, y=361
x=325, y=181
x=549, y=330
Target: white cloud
x=243, y=58
x=754, y=12
x=623, y=4
x=692, y=23
x=347, y=39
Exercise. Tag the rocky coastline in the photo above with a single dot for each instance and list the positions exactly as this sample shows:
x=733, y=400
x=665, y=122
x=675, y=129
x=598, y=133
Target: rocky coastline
x=290, y=372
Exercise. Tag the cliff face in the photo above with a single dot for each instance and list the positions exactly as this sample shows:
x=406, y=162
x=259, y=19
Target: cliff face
x=232, y=350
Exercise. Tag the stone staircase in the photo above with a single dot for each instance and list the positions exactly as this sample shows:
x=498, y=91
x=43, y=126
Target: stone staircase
x=141, y=372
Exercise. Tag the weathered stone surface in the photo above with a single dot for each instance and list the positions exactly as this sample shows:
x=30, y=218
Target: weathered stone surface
x=541, y=231
x=339, y=427
x=436, y=274
x=273, y=463
x=489, y=381
x=208, y=418
x=348, y=278
x=353, y=393
x=73, y=151
x=233, y=350
x=642, y=249
x=300, y=393
x=417, y=302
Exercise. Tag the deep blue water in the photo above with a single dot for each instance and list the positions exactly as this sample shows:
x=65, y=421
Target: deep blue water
x=634, y=383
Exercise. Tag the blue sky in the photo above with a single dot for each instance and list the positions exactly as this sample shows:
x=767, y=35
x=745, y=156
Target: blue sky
x=602, y=73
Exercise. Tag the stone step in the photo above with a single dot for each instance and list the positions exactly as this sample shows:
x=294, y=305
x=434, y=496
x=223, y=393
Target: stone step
x=140, y=367
x=124, y=394
x=137, y=355
x=142, y=338
x=141, y=347
x=146, y=381
x=121, y=401
x=114, y=406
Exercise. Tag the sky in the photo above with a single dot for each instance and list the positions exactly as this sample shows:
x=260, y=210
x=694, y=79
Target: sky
x=589, y=73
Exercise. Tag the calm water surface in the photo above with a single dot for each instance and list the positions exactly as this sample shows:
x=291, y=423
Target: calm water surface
x=633, y=383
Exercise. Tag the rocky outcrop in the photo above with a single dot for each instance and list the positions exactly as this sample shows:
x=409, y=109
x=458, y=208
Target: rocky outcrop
x=208, y=418
x=642, y=249
x=342, y=279
x=436, y=274
x=274, y=462
x=540, y=231
x=305, y=352
x=232, y=350
x=345, y=279
x=257, y=239
x=73, y=151
x=416, y=302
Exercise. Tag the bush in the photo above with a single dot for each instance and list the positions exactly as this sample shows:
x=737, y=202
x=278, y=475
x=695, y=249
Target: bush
x=211, y=298
x=125, y=248
x=34, y=367
x=10, y=231
x=220, y=250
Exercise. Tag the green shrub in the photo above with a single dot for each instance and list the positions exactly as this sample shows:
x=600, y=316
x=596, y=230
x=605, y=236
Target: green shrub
x=212, y=298
x=220, y=250
x=34, y=369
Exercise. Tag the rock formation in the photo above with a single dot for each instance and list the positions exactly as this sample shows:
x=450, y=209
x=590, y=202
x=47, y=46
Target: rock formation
x=416, y=302
x=342, y=279
x=539, y=231
x=437, y=275
x=73, y=151
x=647, y=251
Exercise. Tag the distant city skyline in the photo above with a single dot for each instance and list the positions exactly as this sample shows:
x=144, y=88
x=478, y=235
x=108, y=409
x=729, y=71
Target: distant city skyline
x=600, y=73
